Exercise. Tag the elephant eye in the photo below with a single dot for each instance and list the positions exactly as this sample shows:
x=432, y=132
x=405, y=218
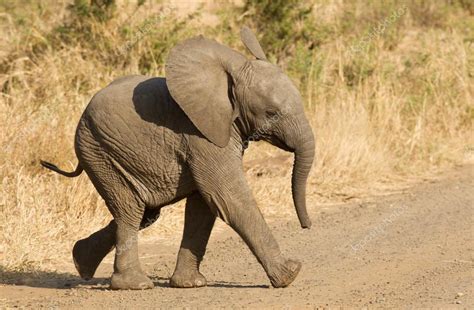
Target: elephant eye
x=271, y=113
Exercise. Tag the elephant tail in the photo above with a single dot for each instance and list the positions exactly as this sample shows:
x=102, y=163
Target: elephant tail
x=53, y=167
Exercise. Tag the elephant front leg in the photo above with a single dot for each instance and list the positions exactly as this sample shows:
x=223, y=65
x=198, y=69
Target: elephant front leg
x=88, y=253
x=225, y=189
x=198, y=224
x=246, y=219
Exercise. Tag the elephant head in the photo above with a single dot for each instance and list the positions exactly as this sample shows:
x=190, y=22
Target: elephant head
x=218, y=87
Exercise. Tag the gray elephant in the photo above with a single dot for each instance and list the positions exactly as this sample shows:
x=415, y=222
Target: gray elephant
x=149, y=142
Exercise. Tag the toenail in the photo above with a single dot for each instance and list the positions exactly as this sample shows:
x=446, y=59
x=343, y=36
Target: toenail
x=143, y=285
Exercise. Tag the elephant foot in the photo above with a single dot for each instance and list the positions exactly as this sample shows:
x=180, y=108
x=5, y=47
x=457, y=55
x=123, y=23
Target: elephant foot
x=86, y=258
x=89, y=252
x=285, y=274
x=188, y=280
x=130, y=280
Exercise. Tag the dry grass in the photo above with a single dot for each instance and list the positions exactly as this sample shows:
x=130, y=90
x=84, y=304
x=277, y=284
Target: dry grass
x=393, y=114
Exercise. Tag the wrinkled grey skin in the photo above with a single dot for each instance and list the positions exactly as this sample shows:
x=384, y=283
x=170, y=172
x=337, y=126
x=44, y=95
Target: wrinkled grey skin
x=148, y=142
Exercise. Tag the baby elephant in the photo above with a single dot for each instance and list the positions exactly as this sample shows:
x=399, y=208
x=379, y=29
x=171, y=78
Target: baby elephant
x=149, y=142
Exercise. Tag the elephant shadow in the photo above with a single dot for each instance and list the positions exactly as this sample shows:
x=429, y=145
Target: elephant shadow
x=65, y=280
x=164, y=283
x=224, y=284
x=47, y=279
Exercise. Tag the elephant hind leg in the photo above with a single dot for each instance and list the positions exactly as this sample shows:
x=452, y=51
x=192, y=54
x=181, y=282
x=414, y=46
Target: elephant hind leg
x=128, y=210
x=198, y=224
x=88, y=253
x=128, y=213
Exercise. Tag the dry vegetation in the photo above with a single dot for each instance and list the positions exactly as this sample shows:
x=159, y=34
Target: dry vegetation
x=396, y=111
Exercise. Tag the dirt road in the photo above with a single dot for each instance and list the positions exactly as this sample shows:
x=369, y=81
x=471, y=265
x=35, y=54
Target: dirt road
x=413, y=249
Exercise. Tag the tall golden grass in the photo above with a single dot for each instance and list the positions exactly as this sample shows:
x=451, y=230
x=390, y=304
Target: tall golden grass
x=394, y=113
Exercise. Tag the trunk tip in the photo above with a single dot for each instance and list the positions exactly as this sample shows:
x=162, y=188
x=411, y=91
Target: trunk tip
x=306, y=224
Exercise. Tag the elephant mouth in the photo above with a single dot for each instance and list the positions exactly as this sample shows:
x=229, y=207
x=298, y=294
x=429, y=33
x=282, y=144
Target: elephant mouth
x=279, y=143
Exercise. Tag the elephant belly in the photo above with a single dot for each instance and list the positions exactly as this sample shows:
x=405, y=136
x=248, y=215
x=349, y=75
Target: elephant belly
x=163, y=180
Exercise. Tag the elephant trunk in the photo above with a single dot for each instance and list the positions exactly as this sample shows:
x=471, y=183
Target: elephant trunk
x=304, y=156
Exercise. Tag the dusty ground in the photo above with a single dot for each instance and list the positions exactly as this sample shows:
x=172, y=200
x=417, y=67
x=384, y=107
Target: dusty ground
x=413, y=249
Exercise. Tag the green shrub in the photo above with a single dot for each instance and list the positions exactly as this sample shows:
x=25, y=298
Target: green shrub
x=282, y=25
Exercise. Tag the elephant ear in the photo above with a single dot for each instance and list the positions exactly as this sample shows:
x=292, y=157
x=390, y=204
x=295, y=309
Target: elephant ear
x=197, y=76
x=251, y=42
